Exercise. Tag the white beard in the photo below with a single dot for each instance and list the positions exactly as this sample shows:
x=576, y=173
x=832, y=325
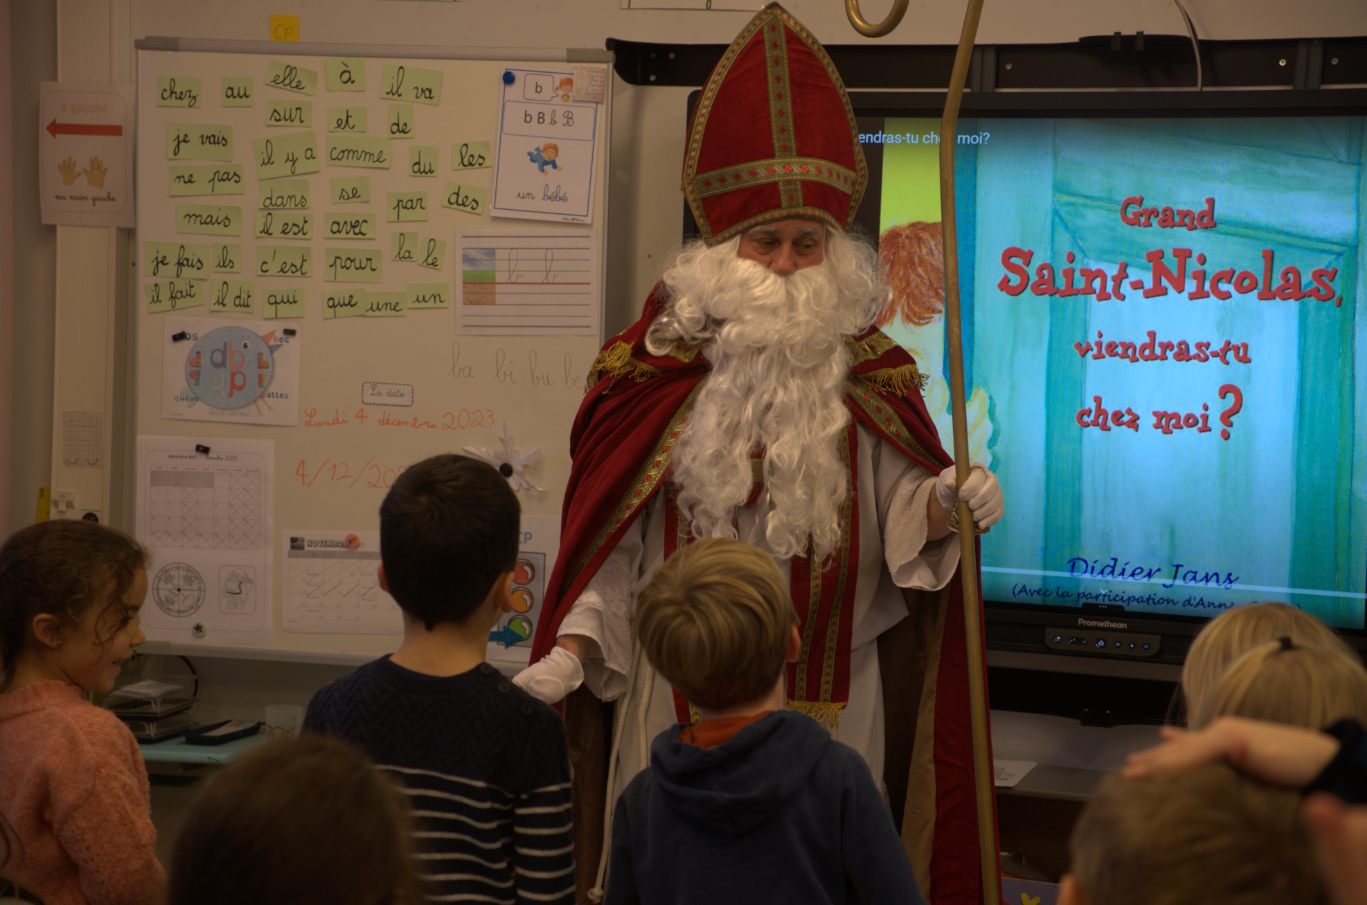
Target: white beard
x=777, y=383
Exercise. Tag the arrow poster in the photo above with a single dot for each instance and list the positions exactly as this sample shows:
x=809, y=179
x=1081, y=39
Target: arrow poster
x=85, y=159
x=510, y=640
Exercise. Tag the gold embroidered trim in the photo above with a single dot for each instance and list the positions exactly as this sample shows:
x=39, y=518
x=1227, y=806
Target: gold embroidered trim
x=757, y=471
x=775, y=169
x=865, y=396
x=838, y=599
x=617, y=361
x=780, y=94
x=870, y=348
x=684, y=352
x=895, y=380
x=652, y=471
x=826, y=713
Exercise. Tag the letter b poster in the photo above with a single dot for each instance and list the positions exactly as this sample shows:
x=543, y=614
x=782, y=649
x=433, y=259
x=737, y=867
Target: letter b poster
x=547, y=149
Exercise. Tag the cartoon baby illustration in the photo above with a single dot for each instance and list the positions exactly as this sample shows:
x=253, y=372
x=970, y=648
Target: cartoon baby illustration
x=545, y=156
x=565, y=88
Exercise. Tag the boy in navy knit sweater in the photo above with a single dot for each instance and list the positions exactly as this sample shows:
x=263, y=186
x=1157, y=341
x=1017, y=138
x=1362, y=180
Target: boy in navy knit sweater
x=752, y=803
x=485, y=764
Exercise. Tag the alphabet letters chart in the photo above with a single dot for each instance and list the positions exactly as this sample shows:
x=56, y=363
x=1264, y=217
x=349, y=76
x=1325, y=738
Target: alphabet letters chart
x=236, y=372
x=547, y=149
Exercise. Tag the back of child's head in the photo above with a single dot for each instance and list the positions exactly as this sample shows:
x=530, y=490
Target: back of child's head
x=1207, y=836
x=448, y=529
x=62, y=568
x=297, y=820
x=1226, y=637
x=1287, y=682
x=715, y=620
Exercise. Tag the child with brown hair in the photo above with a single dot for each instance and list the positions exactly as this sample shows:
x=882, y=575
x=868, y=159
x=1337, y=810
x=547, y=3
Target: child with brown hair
x=1235, y=631
x=1194, y=837
x=72, y=780
x=752, y=803
x=298, y=820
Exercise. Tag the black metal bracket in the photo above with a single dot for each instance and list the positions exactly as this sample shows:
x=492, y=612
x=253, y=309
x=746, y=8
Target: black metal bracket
x=1104, y=61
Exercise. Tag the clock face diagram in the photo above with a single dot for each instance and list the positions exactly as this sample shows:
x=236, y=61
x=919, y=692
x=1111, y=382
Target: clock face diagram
x=178, y=589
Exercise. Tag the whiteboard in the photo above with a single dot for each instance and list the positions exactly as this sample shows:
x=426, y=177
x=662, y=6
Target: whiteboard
x=348, y=401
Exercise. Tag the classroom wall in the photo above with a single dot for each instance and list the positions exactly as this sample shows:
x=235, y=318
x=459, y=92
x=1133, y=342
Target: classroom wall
x=646, y=206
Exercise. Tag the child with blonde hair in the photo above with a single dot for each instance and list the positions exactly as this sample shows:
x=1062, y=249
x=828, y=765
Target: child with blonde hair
x=1192, y=837
x=752, y=803
x=1287, y=682
x=1235, y=631
x=72, y=780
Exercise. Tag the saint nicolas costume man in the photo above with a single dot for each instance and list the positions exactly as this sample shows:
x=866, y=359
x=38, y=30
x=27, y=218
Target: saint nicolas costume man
x=883, y=659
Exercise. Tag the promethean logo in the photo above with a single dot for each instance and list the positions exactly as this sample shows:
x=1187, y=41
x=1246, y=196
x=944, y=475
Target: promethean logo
x=1102, y=623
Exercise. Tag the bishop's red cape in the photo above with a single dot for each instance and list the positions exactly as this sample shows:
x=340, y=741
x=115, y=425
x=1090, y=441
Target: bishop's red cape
x=622, y=443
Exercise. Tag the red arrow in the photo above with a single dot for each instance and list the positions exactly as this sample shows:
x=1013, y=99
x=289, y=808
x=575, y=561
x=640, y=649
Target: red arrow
x=57, y=128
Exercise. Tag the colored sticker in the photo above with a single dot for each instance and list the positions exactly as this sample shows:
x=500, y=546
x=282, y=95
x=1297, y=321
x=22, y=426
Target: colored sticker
x=281, y=303
x=472, y=155
x=345, y=73
x=359, y=151
x=213, y=179
x=351, y=190
x=467, y=198
x=352, y=265
x=350, y=225
x=173, y=295
x=429, y=295
x=422, y=160
x=292, y=112
x=179, y=91
x=400, y=121
x=238, y=91
x=284, y=225
x=288, y=154
x=209, y=219
x=232, y=297
x=227, y=257
x=192, y=141
x=433, y=253
x=288, y=77
x=343, y=303
x=404, y=247
x=386, y=304
x=176, y=260
x=347, y=119
x=408, y=83
x=284, y=194
x=405, y=207
x=284, y=261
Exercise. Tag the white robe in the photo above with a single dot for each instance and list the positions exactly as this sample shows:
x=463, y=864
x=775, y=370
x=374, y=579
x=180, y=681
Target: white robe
x=893, y=554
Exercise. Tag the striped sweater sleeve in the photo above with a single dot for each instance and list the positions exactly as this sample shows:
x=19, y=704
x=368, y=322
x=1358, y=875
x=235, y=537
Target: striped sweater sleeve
x=543, y=829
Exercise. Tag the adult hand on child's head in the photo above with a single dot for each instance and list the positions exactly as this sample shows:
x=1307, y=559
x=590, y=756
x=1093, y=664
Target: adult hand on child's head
x=1340, y=835
x=1285, y=755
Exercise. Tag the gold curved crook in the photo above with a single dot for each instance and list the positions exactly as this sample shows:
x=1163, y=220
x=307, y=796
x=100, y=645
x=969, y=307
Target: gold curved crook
x=867, y=28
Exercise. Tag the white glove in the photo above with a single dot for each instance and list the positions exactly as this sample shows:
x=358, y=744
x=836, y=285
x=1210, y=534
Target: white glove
x=552, y=677
x=981, y=492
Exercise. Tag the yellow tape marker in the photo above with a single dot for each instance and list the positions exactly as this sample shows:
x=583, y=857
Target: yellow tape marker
x=284, y=28
x=44, y=505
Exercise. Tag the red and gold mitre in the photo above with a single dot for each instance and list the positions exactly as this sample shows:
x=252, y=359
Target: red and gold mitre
x=773, y=135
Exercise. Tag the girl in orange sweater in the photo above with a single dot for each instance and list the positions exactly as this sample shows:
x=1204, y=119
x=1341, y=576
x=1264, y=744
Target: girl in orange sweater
x=72, y=780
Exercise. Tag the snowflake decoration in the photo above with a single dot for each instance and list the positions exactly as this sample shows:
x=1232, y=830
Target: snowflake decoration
x=507, y=460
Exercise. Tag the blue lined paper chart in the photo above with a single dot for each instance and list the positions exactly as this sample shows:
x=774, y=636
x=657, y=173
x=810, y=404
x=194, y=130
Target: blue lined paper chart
x=527, y=283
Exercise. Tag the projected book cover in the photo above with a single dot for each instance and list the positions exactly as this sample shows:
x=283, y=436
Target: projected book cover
x=1164, y=351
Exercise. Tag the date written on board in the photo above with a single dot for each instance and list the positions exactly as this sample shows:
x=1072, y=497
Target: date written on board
x=372, y=474
x=459, y=420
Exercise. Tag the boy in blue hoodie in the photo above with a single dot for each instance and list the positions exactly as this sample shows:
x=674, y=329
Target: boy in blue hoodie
x=752, y=803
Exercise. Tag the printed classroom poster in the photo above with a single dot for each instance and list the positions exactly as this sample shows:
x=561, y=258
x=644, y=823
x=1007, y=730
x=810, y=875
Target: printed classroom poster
x=547, y=149
x=206, y=517
x=332, y=586
x=238, y=372
x=85, y=166
x=527, y=283
x=511, y=639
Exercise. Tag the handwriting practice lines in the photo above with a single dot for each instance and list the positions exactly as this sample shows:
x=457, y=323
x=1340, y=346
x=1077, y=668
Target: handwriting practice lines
x=527, y=283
